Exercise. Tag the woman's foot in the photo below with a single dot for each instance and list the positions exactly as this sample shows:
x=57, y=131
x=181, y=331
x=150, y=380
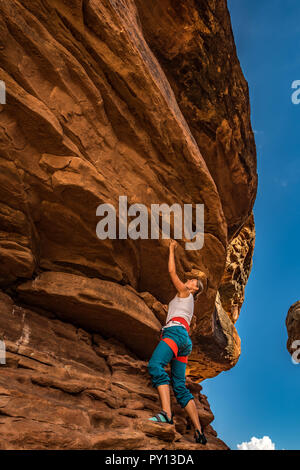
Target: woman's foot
x=162, y=417
x=200, y=437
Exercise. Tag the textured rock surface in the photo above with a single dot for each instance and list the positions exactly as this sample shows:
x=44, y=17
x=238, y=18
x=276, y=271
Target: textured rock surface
x=293, y=326
x=237, y=271
x=110, y=98
x=63, y=388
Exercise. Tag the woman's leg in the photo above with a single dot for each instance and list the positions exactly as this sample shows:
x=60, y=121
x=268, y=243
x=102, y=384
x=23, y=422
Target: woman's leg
x=161, y=356
x=192, y=411
x=165, y=400
x=183, y=395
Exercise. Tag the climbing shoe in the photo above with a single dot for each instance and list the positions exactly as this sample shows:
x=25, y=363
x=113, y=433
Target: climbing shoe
x=200, y=438
x=162, y=417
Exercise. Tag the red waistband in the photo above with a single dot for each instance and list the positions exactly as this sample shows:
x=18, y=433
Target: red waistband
x=181, y=320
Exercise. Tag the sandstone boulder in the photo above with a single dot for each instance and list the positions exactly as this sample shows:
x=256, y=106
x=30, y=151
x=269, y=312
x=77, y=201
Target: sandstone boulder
x=106, y=99
x=98, y=306
x=64, y=388
x=293, y=327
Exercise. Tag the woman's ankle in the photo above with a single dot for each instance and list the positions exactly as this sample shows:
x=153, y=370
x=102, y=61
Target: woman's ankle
x=169, y=414
x=199, y=429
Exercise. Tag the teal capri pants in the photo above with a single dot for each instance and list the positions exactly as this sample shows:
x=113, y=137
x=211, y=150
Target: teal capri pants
x=174, y=347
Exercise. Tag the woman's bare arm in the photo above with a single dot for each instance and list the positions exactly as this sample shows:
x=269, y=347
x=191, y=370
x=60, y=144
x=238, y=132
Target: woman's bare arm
x=178, y=284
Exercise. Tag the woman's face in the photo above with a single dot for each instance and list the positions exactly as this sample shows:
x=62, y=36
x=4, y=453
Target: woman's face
x=192, y=285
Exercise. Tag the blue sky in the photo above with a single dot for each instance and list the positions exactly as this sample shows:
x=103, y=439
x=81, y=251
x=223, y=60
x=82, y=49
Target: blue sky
x=260, y=396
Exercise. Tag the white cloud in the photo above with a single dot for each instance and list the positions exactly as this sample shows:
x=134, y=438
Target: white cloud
x=264, y=443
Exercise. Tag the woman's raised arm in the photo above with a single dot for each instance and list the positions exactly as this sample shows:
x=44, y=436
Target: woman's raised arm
x=178, y=284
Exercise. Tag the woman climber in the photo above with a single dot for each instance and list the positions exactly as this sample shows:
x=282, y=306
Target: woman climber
x=175, y=347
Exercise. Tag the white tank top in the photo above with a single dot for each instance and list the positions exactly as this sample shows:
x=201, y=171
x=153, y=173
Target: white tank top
x=180, y=307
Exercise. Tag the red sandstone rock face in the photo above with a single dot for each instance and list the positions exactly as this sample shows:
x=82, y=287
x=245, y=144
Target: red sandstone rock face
x=64, y=388
x=293, y=327
x=109, y=98
x=238, y=267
